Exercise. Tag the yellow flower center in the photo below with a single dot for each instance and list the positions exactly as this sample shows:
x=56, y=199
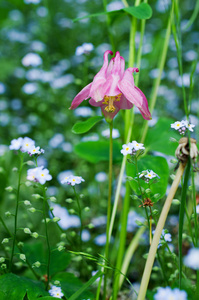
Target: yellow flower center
x=127, y=148
x=42, y=174
x=110, y=101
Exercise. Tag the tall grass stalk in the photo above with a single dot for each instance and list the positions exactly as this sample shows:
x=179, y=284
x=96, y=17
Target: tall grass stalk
x=153, y=97
x=16, y=209
x=158, y=232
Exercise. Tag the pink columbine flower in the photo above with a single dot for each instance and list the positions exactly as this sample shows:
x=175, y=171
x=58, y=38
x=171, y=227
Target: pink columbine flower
x=113, y=89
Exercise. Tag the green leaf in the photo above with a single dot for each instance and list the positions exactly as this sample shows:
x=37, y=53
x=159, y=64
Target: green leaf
x=16, y=287
x=48, y=298
x=159, y=166
x=142, y=11
x=3, y=296
x=58, y=262
x=159, y=137
x=82, y=127
x=96, y=151
x=71, y=284
x=86, y=285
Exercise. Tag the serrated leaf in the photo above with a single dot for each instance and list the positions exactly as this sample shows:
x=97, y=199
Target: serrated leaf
x=159, y=137
x=16, y=287
x=142, y=11
x=96, y=151
x=71, y=284
x=82, y=127
x=159, y=166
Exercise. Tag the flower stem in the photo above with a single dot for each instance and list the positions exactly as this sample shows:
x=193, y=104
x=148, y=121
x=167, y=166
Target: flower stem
x=161, y=64
x=16, y=210
x=80, y=216
x=109, y=205
x=47, y=239
x=158, y=232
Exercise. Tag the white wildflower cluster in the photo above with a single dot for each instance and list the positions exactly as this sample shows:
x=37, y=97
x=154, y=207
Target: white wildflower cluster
x=39, y=174
x=131, y=148
x=191, y=260
x=72, y=180
x=167, y=293
x=56, y=292
x=25, y=145
x=146, y=175
x=182, y=126
x=85, y=48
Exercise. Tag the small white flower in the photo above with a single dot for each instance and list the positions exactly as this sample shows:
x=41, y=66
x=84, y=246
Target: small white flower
x=126, y=149
x=177, y=125
x=27, y=144
x=150, y=174
x=72, y=180
x=31, y=59
x=43, y=175
x=190, y=127
x=39, y=174
x=191, y=260
x=16, y=144
x=56, y=292
x=137, y=146
x=34, y=150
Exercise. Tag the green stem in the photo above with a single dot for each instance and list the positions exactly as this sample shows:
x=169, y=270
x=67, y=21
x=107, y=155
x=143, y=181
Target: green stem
x=181, y=219
x=161, y=64
x=80, y=216
x=109, y=206
x=47, y=239
x=111, y=38
x=158, y=232
x=16, y=210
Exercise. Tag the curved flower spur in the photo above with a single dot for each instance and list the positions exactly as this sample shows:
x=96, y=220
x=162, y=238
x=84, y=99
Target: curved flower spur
x=113, y=89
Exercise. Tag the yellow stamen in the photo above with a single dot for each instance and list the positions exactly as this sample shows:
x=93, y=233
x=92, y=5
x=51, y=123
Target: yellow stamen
x=110, y=101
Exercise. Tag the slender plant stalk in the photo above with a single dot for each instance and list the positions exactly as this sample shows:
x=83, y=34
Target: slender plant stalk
x=129, y=253
x=47, y=238
x=16, y=210
x=161, y=64
x=111, y=37
x=108, y=206
x=158, y=232
x=80, y=216
x=181, y=220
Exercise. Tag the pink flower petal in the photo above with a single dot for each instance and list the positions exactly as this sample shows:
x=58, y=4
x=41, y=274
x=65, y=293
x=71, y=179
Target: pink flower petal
x=97, y=91
x=81, y=96
x=133, y=94
x=123, y=103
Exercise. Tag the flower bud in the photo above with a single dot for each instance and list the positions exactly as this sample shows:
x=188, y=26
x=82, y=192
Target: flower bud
x=172, y=176
x=19, y=264
x=90, y=226
x=60, y=248
x=56, y=282
x=156, y=196
x=27, y=230
x=30, y=163
x=53, y=199
x=28, y=183
x=134, y=197
x=32, y=209
x=20, y=244
x=36, y=196
x=87, y=209
x=27, y=202
x=14, y=169
x=148, y=191
x=175, y=201
x=5, y=241
x=8, y=214
x=22, y=257
x=73, y=233
x=56, y=219
x=155, y=212
x=2, y=259
x=63, y=236
x=9, y=189
x=71, y=211
x=173, y=161
x=35, y=235
x=69, y=200
x=37, y=264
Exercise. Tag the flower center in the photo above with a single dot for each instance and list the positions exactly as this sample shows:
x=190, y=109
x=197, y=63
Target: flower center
x=110, y=101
